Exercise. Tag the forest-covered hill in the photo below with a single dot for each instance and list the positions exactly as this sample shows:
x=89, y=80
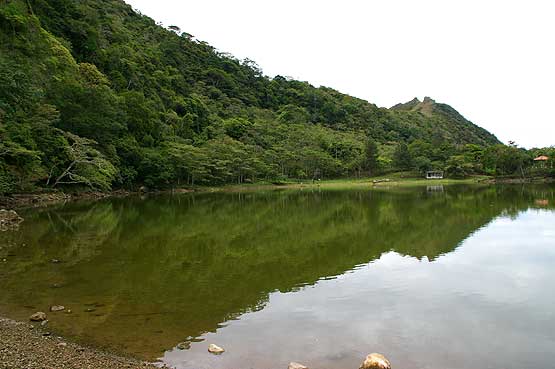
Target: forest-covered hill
x=94, y=94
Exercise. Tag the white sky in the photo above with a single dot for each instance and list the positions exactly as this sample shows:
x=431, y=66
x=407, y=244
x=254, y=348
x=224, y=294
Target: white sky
x=492, y=60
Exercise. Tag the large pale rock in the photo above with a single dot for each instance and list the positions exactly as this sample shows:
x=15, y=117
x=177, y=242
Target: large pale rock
x=375, y=361
x=38, y=317
x=294, y=365
x=57, y=308
x=216, y=350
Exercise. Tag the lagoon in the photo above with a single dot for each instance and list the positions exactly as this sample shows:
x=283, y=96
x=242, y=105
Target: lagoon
x=432, y=277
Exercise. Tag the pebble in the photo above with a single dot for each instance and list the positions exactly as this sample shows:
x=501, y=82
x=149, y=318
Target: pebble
x=184, y=345
x=57, y=308
x=38, y=317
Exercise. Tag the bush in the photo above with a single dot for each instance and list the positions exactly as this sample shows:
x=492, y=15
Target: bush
x=8, y=182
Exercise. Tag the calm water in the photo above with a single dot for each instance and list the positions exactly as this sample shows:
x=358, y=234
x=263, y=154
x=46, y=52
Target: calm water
x=456, y=278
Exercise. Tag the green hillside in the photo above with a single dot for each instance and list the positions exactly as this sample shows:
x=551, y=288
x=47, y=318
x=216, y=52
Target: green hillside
x=95, y=95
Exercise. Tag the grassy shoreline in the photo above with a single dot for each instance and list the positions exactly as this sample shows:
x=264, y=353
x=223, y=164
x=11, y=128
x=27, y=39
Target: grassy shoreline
x=393, y=180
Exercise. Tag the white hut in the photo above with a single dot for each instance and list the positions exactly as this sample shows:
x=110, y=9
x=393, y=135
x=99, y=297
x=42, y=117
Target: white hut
x=434, y=174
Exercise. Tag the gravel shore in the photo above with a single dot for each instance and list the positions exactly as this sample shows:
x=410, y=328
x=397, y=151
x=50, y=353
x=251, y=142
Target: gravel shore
x=23, y=346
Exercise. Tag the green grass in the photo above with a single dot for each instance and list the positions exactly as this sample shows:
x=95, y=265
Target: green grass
x=400, y=179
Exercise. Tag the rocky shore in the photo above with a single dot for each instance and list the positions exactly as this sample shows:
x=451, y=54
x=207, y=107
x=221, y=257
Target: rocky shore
x=39, y=199
x=50, y=198
x=24, y=346
x=32, y=346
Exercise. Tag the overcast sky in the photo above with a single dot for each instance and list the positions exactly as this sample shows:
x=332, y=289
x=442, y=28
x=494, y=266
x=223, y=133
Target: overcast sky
x=493, y=61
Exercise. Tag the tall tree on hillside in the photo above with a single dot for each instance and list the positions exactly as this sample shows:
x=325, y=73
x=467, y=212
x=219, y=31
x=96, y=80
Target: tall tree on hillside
x=402, y=158
x=371, y=164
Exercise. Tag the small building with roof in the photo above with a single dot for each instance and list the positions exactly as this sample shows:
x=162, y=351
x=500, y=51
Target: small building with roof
x=434, y=174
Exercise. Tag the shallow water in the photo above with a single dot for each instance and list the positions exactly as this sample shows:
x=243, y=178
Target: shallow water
x=453, y=277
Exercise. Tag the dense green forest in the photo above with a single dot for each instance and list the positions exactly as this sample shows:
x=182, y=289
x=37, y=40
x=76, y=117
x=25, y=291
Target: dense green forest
x=95, y=95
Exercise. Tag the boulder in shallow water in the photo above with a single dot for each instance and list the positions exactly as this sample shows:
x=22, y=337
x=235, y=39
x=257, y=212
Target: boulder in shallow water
x=216, y=350
x=375, y=361
x=294, y=365
x=38, y=317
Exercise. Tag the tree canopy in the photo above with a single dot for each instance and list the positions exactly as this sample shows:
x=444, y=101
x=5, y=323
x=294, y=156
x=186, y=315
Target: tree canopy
x=157, y=107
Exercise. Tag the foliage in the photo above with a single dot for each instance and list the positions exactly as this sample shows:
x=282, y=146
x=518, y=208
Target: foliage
x=157, y=107
x=371, y=159
x=86, y=165
x=402, y=158
x=457, y=167
x=506, y=160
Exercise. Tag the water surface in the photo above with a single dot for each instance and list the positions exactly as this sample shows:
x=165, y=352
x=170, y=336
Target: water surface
x=454, y=277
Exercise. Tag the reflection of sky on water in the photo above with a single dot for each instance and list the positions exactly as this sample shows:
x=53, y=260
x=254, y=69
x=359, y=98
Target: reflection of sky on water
x=488, y=304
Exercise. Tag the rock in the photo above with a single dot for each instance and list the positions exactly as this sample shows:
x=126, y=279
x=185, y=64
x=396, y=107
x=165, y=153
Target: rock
x=375, y=361
x=44, y=322
x=216, y=350
x=9, y=219
x=38, y=317
x=57, y=308
x=55, y=261
x=294, y=365
x=184, y=345
x=62, y=344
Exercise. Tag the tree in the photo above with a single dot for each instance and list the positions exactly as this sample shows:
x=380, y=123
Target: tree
x=457, y=167
x=506, y=160
x=237, y=127
x=86, y=165
x=189, y=162
x=371, y=154
x=161, y=108
x=422, y=164
x=402, y=158
x=175, y=29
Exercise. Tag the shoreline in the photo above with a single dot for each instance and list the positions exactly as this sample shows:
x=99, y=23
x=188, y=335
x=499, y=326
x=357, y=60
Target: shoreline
x=31, y=346
x=41, y=199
